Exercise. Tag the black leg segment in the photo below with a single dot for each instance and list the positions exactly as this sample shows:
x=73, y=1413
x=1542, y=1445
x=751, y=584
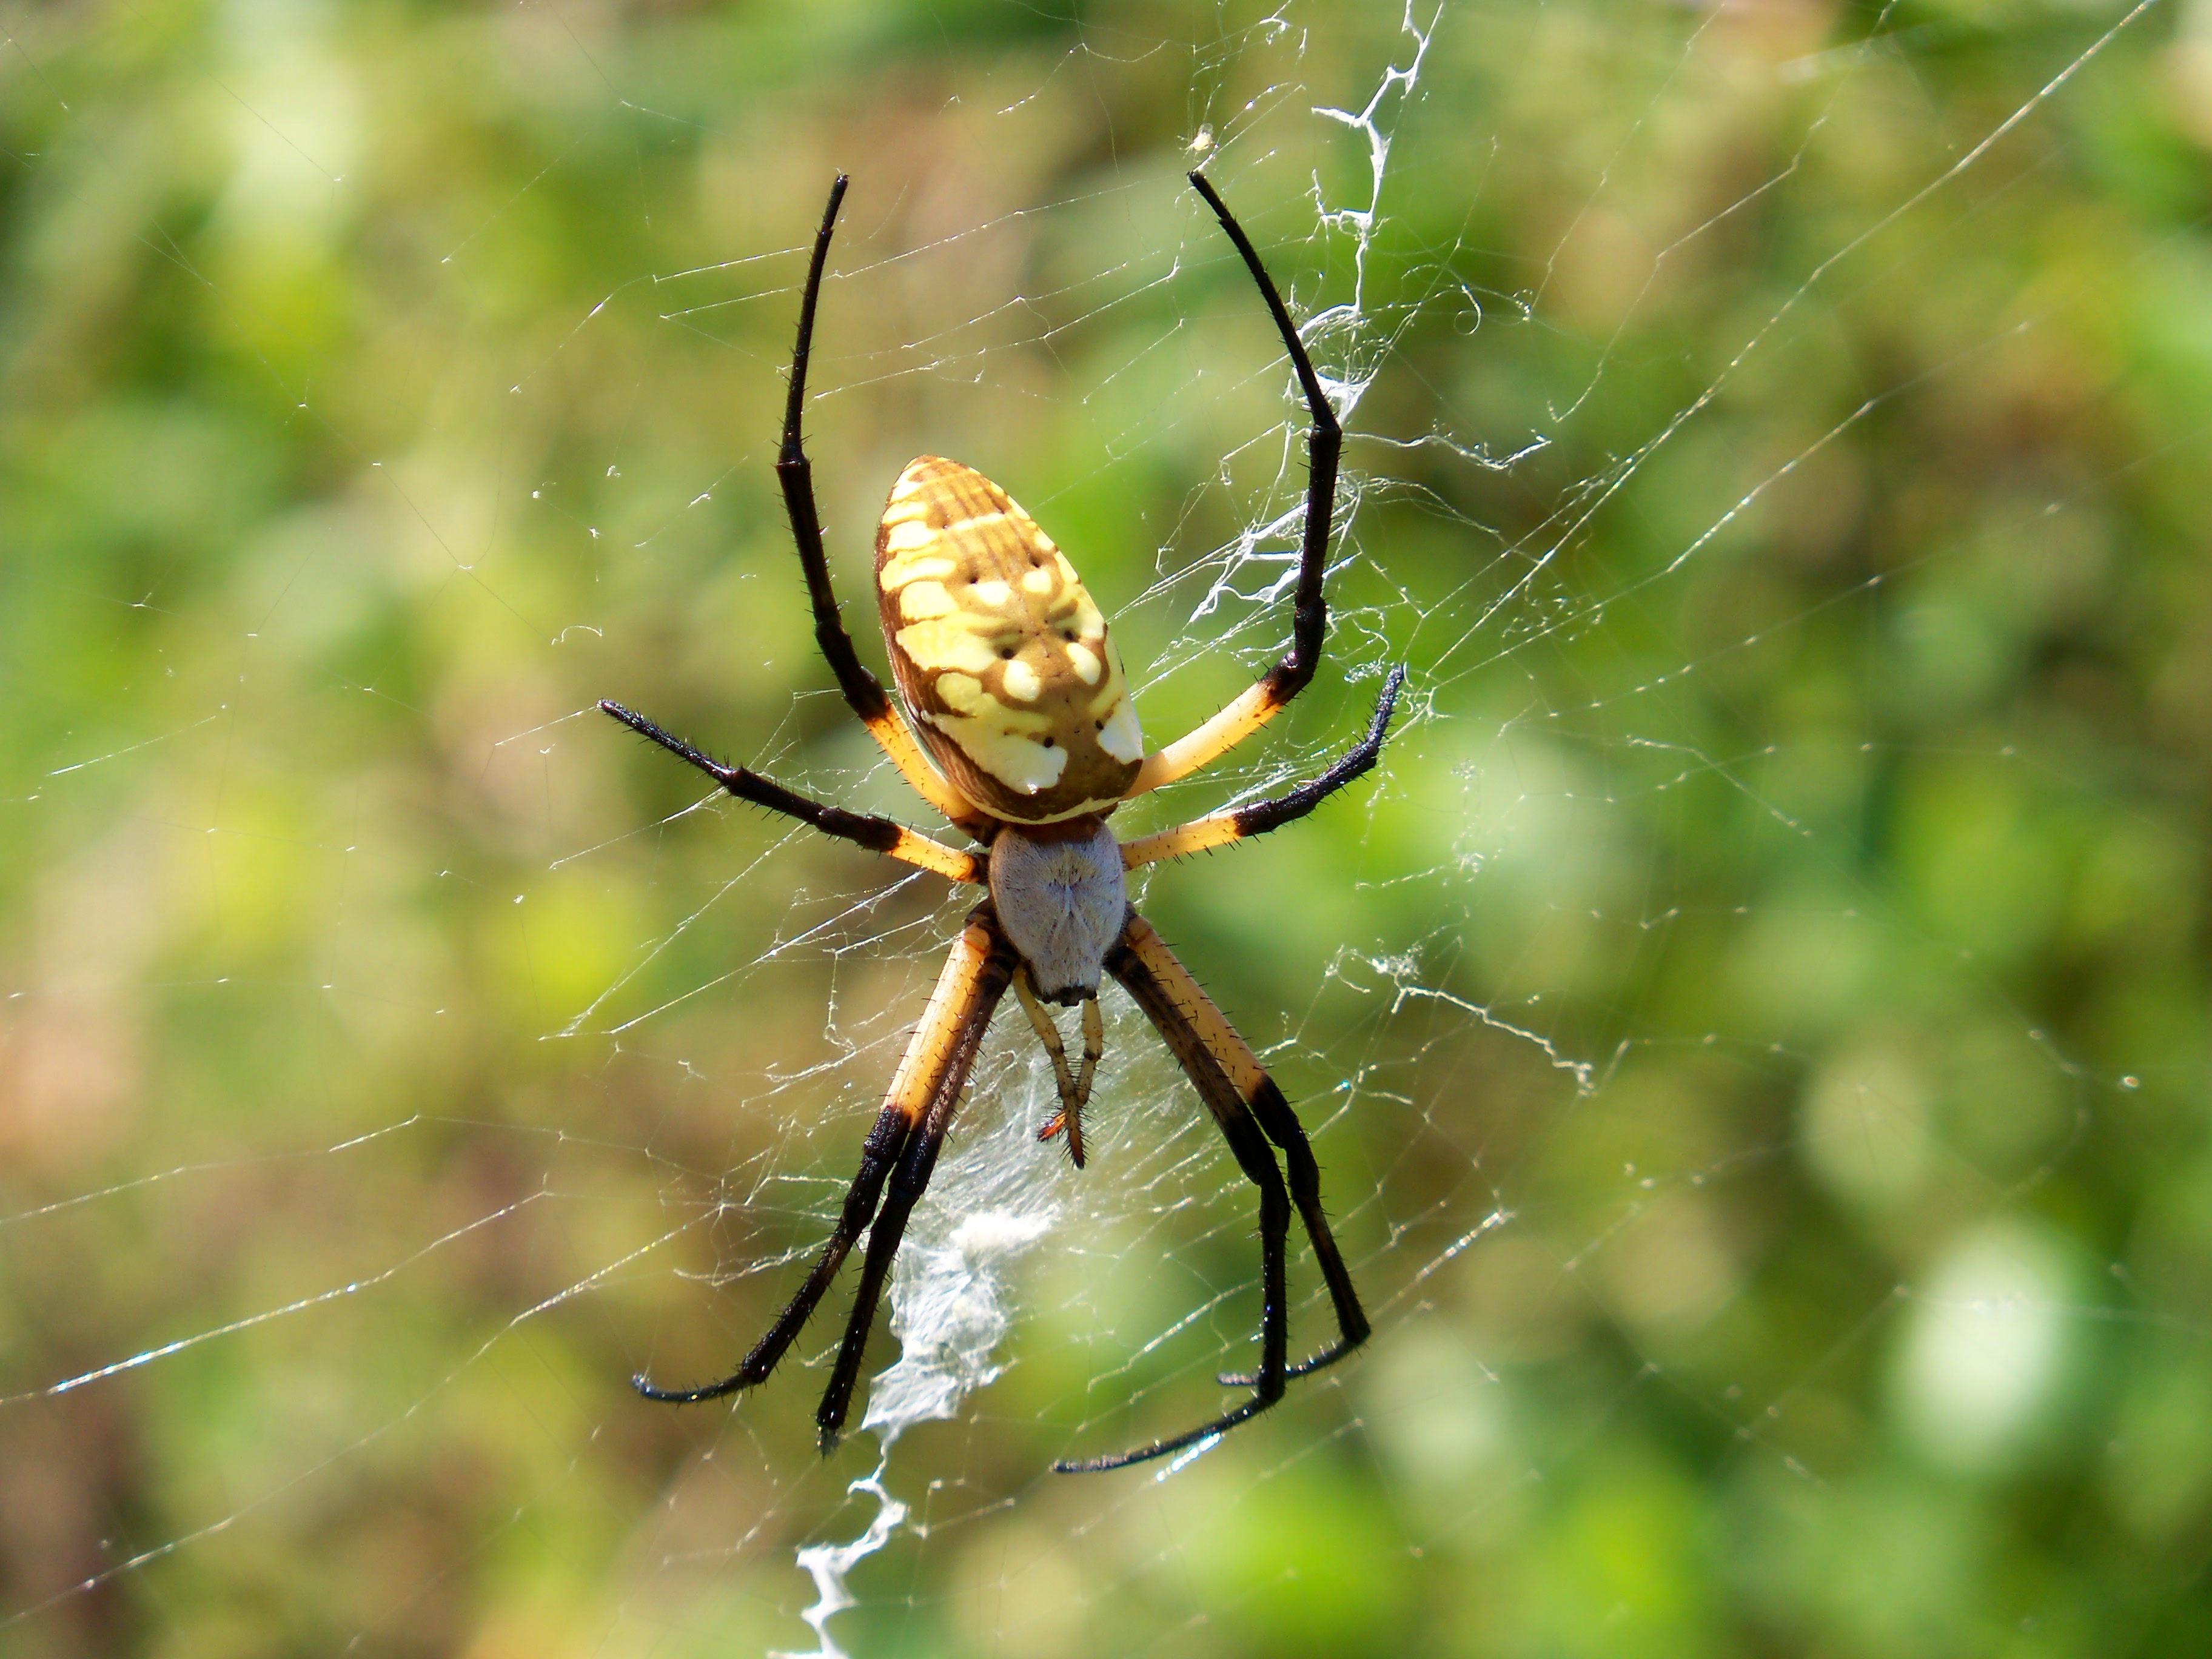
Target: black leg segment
x=911, y=1180
x=880, y=1151
x=877, y=835
x=901, y=1149
x=1324, y=446
x=864, y=692
x=1250, y=1111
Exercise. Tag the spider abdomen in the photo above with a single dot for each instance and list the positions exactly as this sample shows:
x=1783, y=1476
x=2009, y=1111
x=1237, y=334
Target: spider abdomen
x=1062, y=902
x=1000, y=651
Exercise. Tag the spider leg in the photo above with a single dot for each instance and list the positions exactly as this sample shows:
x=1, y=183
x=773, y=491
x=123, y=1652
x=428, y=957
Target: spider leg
x=1258, y=818
x=1310, y=622
x=1233, y=1058
x=877, y=835
x=935, y=1068
x=976, y=978
x=1250, y=1111
x=1074, y=1089
x=864, y=693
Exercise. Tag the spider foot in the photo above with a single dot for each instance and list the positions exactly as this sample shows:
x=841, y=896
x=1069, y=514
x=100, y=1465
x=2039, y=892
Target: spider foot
x=1200, y=1436
x=1327, y=1356
x=644, y=1386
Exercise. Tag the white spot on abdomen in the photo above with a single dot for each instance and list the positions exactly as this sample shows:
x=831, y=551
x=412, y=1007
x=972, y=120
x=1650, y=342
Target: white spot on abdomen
x=1121, y=737
x=1020, y=762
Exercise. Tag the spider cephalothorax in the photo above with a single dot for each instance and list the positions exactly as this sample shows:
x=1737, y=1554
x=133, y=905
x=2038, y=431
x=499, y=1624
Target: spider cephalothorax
x=1006, y=664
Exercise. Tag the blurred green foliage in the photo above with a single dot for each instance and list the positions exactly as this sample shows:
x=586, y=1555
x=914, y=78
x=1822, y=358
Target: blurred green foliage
x=1758, y=1016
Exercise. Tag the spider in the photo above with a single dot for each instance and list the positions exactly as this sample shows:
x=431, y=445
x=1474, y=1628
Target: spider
x=1017, y=695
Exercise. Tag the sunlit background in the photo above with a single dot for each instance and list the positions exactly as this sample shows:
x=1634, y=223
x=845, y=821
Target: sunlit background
x=1754, y=1020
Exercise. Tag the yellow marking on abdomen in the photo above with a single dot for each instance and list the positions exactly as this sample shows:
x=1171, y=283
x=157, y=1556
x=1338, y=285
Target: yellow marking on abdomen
x=958, y=690
x=952, y=641
x=924, y=564
x=920, y=601
x=990, y=739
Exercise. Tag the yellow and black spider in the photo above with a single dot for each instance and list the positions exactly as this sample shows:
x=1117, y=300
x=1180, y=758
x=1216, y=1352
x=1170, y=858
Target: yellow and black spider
x=1004, y=664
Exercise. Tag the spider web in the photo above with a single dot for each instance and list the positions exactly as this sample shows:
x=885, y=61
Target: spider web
x=1758, y=1135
